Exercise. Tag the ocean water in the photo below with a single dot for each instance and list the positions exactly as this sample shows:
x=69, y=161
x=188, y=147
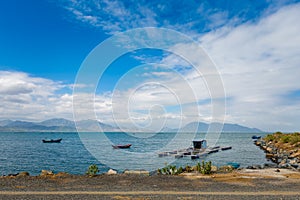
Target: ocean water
x=26, y=152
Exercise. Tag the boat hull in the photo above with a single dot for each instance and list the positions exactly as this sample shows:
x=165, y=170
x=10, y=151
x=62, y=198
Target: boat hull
x=52, y=141
x=126, y=146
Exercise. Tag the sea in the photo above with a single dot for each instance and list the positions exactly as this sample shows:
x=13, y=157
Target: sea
x=77, y=151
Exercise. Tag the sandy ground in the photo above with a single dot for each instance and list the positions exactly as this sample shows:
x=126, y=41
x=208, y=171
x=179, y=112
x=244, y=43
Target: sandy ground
x=240, y=184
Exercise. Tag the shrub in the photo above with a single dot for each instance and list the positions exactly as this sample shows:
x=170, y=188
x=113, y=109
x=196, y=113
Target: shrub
x=92, y=170
x=170, y=170
x=270, y=137
x=188, y=168
x=204, y=168
x=285, y=138
x=295, y=138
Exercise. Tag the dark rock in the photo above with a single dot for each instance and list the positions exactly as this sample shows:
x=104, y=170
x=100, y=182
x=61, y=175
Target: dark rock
x=255, y=167
x=270, y=165
x=285, y=166
x=296, y=166
x=13, y=174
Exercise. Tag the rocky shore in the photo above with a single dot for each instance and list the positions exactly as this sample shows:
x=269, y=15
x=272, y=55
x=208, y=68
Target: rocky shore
x=237, y=184
x=282, y=149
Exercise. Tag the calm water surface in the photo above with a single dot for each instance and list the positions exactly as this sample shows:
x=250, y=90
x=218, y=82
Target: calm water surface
x=26, y=152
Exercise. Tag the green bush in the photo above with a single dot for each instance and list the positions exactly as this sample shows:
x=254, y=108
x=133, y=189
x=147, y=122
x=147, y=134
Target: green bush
x=295, y=138
x=204, y=167
x=285, y=138
x=170, y=170
x=270, y=137
x=92, y=170
x=188, y=168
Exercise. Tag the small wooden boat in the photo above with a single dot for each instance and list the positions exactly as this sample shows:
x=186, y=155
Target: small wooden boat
x=121, y=146
x=52, y=141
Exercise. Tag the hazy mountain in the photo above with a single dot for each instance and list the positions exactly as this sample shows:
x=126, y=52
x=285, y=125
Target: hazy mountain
x=57, y=122
x=203, y=127
x=64, y=125
x=93, y=125
x=195, y=126
x=5, y=122
x=55, y=125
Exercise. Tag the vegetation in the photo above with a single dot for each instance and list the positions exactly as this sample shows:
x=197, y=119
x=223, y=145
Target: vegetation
x=203, y=168
x=92, y=170
x=278, y=137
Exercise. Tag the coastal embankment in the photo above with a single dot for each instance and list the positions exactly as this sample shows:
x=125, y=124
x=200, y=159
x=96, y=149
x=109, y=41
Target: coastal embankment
x=238, y=184
x=282, y=149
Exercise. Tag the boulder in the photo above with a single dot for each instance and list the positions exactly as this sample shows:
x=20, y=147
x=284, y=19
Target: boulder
x=269, y=155
x=295, y=155
x=111, y=171
x=13, y=174
x=62, y=174
x=270, y=165
x=254, y=167
x=285, y=166
x=226, y=168
x=269, y=149
x=46, y=173
x=296, y=166
x=23, y=174
x=214, y=169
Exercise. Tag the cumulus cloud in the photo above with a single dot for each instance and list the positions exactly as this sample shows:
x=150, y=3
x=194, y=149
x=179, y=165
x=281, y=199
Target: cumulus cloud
x=26, y=97
x=259, y=63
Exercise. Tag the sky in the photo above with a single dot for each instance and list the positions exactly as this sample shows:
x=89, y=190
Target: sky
x=254, y=45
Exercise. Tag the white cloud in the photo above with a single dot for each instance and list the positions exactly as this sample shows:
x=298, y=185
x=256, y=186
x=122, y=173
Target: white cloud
x=110, y=15
x=27, y=97
x=259, y=63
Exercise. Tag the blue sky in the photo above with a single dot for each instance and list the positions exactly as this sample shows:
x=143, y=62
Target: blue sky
x=254, y=45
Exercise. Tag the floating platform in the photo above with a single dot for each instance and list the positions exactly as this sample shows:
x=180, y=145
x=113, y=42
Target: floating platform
x=194, y=153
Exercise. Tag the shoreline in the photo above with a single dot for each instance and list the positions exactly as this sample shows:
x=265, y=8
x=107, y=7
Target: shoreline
x=282, y=149
x=245, y=183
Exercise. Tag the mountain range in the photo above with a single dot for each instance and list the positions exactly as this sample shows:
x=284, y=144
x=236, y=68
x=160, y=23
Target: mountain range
x=64, y=125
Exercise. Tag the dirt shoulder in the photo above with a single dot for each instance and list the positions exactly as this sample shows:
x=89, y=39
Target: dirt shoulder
x=262, y=182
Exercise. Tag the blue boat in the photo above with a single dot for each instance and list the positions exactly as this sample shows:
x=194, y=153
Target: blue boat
x=255, y=137
x=234, y=165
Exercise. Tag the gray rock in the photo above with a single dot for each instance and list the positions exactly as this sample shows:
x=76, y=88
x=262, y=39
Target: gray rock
x=46, y=172
x=285, y=166
x=254, y=167
x=270, y=165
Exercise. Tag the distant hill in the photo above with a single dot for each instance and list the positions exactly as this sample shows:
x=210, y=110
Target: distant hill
x=64, y=125
x=57, y=122
x=5, y=122
x=54, y=125
x=203, y=127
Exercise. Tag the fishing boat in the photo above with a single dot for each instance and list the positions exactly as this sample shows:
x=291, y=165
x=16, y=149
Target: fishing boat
x=255, y=137
x=121, y=146
x=52, y=141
